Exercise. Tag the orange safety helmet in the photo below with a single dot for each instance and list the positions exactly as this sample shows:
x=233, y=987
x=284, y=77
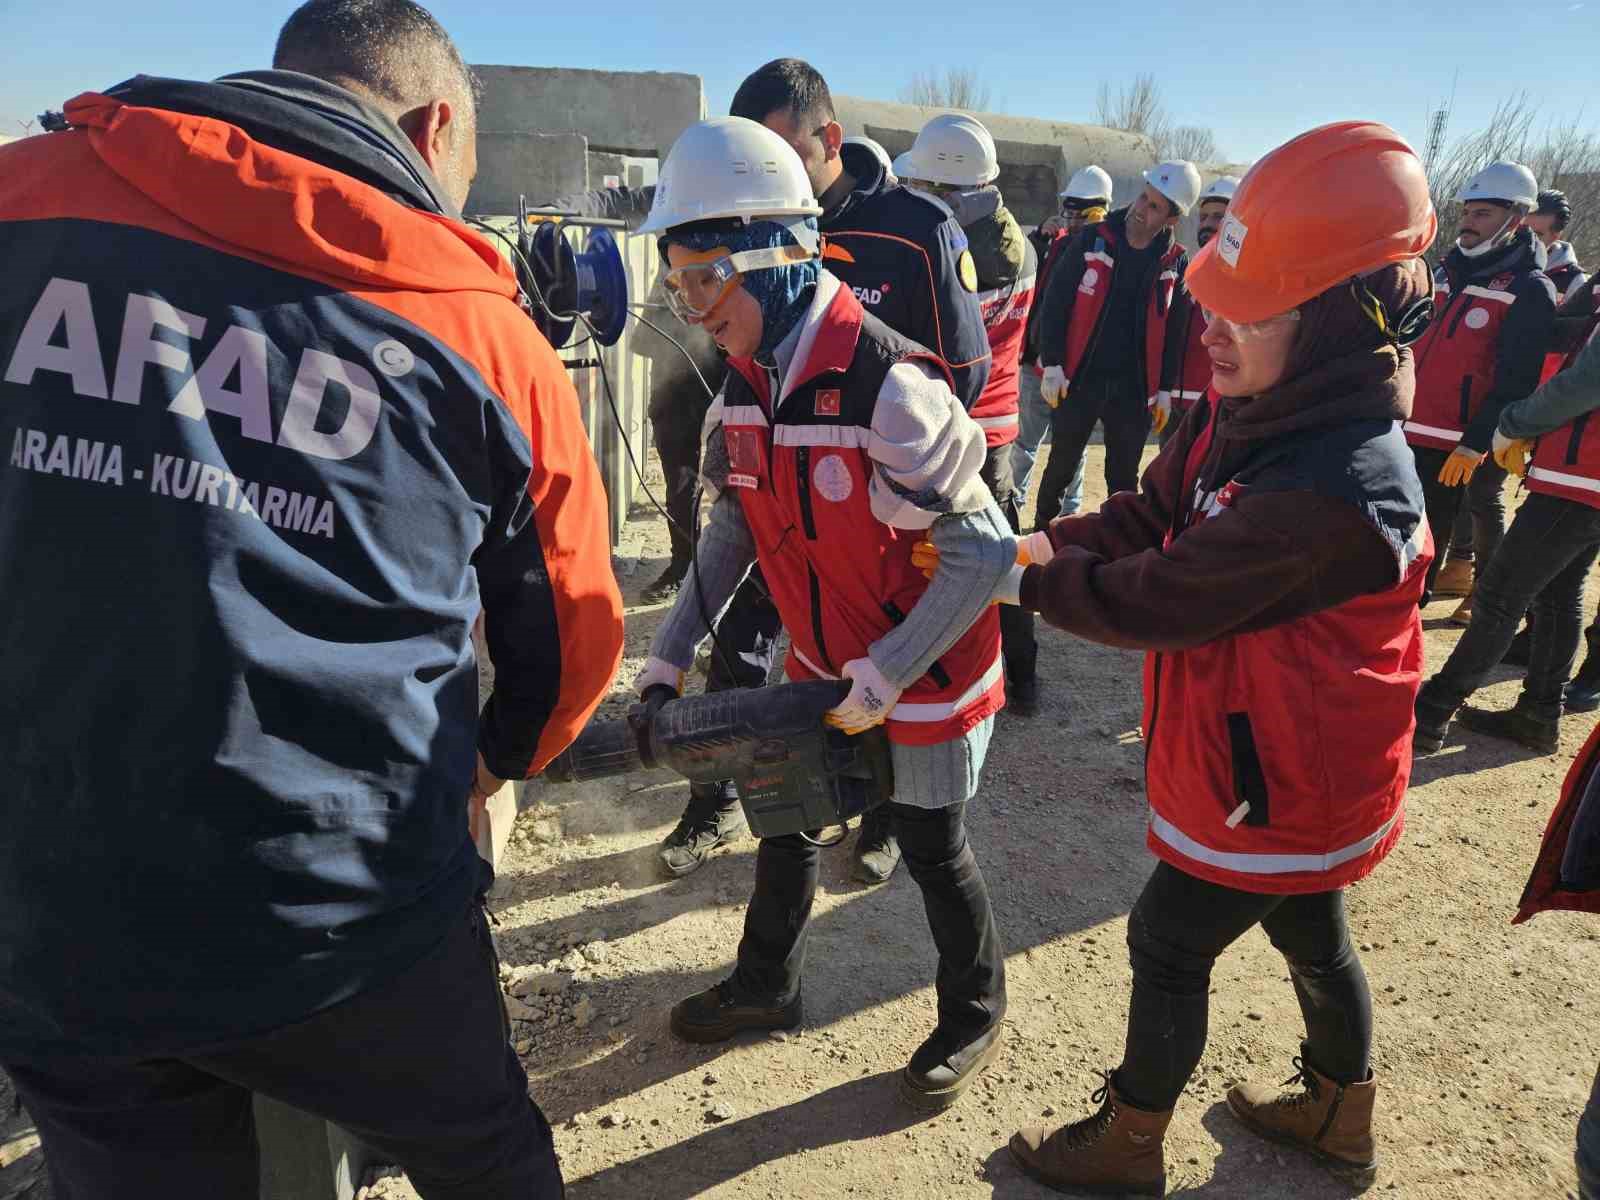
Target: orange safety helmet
x=1332, y=204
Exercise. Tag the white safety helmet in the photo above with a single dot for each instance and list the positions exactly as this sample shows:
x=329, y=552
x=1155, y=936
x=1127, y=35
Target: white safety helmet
x=732, y=167
x=1178, y=181
x=875, y=148
x=1222, y=189
x=1503, y=183
x=953, y=149
x=1089, y=183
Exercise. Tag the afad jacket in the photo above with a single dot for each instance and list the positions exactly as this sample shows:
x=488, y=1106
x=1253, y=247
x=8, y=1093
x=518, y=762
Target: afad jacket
x=1492, y=326
x=907, y=260
x=1566, y=874
x=840, y=577
x=1566, y=461
x=276, y=430
x=1007, y=269
x=1074, y=306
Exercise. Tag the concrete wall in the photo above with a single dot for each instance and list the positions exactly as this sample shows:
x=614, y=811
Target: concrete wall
x=539, y=166
x=623, y=112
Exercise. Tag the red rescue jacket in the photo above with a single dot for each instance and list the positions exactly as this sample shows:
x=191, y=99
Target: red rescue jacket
x=1195, y=376
x=1258, y=779
x=1566, y=874
x=1006, y=297
x=840, y=578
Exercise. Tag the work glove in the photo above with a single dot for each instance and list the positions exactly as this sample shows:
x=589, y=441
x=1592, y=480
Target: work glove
x=1458, y=468
x=1512, y=453
x=870, y=701
x=658, y=672
x=1053, y=387
x=1160, y=411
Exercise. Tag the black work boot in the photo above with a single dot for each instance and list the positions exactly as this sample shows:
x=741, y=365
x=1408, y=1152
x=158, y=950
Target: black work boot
x=1022, y=697
x=1583, y=693
x=713, y=818
x=945, y=1065
x=877, y=850
x=1433, y=723
x=1542, y=735
x=666, y=584
x=725, y=1009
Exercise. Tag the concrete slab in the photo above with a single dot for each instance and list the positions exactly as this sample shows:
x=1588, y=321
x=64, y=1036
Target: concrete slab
x=535, y=165
x=624, y=112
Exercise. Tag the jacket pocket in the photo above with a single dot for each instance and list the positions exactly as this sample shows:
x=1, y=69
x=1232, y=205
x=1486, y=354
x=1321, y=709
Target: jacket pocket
x=1249, y=782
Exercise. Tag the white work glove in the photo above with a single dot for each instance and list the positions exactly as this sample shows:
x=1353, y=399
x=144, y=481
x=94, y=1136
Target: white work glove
x=870, y=701
x=1160, y=411
x=1053, y=387
x=656, y=672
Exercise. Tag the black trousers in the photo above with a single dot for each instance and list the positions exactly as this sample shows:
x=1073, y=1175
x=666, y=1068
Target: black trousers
x=971, y=982
x=1018, y=644
x=677, y=411
x=420, y=1068
x=1112, y=401
x=1483, y=497
x=1176, y=932
x=1541, y=563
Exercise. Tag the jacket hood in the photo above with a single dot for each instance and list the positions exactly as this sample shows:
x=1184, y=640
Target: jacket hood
x=998, y=247
x=1523, y=252
x=290, y=170
x=1559, y=255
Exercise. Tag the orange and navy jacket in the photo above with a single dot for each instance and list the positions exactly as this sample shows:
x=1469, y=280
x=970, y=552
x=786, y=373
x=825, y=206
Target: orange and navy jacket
x=1074, y=306
x=276, y=430
x=1493, y=322
x=907, y=261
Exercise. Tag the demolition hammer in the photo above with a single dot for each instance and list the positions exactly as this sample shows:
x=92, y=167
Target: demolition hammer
x=794, y=773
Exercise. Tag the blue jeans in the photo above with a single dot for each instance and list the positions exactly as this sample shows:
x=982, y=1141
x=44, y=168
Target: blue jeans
x=1033, y=424
x=1589, y=1146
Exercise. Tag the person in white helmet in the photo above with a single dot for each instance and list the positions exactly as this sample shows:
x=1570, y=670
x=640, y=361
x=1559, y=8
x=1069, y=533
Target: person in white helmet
x=836, y=444
x=1195, y=373
x=954, y=161
x=875, y=148
x=1084, y=201
x=1107, y=346
x=1493, y=324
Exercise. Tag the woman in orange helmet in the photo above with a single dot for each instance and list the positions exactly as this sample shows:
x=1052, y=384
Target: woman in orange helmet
x=1270, y=567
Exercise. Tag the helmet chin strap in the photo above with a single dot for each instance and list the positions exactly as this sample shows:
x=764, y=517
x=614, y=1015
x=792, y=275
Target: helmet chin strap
x=1489, y=243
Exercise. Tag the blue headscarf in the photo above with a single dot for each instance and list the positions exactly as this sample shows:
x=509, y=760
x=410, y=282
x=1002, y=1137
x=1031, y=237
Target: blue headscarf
x=784, y=293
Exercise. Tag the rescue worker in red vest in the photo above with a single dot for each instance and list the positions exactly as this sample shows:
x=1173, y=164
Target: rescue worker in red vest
x=1270, y=568
x=1083, y=202
x=1486, y=347
x=1104, y=332
x=836, y=442
x=1548, y=221
x=954, y=161
x=1195, y=374
x=1541, y=565
x=1566, y=877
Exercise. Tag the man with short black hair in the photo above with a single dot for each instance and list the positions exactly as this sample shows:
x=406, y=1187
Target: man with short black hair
x=1549, y=221
x=239, y=788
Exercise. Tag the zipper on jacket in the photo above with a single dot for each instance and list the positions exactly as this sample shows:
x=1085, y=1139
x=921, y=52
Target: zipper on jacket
x=815, y=585
x=1575, y=438
x=802, y=481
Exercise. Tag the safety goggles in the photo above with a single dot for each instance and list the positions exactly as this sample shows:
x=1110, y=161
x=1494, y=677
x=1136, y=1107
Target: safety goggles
x=695, y=290
x=1245, y=331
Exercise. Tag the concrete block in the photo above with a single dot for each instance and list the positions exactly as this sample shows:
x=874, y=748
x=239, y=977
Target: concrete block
x=540, y=166
x=624, y=112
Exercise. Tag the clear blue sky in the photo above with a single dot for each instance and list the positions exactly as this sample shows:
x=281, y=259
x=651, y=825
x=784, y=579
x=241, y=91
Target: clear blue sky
x=1256, y=73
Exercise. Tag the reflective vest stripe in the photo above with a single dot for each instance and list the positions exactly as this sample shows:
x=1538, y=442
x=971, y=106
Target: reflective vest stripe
x=1489, y=294
x=1581, y=482
x=1003, y=422
x=743, y=414
x=855, y=437
x=1264, y=864
x=1189, y=395
x=923, y=713
x=1453, y=435
x=1099, y=256
x=1014, y=288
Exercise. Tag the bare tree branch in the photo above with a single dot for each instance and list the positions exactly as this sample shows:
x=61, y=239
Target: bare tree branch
x=1193, y=142
x=1140, y=108
x=955, y=87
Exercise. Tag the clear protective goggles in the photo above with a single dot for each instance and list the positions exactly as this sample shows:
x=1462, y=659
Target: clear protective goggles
x=694, y=290
x=1253, y=330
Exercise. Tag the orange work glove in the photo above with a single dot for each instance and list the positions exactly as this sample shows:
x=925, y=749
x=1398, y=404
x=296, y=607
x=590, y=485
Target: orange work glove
x=1458, y=468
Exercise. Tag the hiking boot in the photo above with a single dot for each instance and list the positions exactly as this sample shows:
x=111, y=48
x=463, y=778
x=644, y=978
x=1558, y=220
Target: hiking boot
x=1433, y=724
x=943, y=1067
x=1115, y=1152
x=1515, y=724
x=725, y=1009
x=1022, y=697
x=877, y=849
x=666, y=584
x=1463, y=613
x=1333, y=1121
x=1455, y=578
x=1583, y=693
x=702, y=829
x=1516, y=654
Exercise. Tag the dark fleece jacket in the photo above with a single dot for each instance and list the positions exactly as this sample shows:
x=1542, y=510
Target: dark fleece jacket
x=1270, y=558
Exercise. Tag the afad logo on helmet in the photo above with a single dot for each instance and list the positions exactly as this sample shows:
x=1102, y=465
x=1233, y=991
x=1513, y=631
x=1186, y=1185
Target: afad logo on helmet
x=1231, y=240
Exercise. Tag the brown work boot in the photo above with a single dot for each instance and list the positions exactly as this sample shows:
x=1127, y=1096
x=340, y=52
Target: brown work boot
x=1331, y=1120
x=1463, y=612
x=1455, y=578
x=1115, y=1152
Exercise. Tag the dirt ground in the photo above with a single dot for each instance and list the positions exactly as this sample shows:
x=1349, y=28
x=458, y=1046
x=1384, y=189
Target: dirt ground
x=1486, y=1036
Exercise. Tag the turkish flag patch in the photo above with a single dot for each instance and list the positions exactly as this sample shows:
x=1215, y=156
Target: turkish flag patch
x=827, y=404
